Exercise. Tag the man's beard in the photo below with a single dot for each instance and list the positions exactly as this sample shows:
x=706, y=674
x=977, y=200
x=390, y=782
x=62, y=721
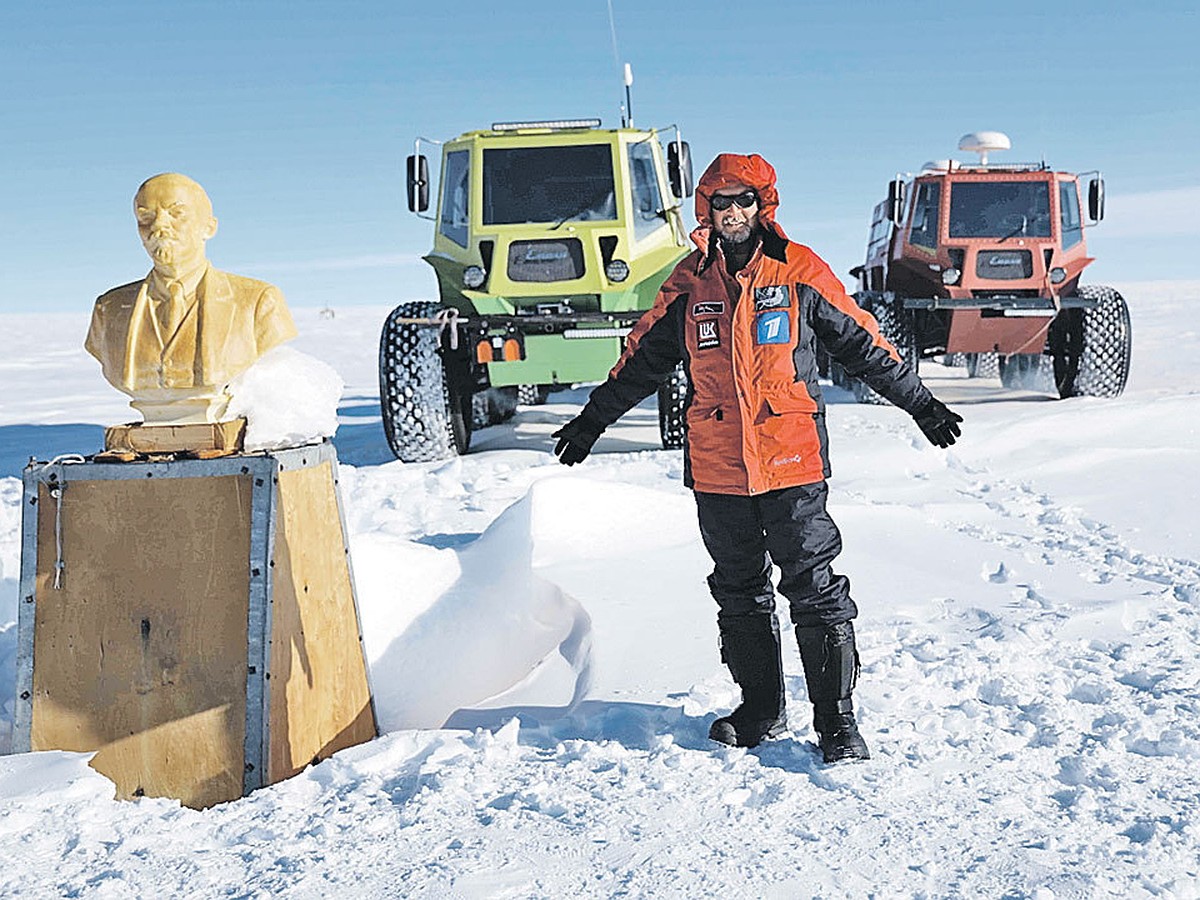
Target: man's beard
x=737, y=234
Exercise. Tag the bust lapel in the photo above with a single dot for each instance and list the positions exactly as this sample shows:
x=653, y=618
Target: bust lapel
x=214, y=317
x=135, y=344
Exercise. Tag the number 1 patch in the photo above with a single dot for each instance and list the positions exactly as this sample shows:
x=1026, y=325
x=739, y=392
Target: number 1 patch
x=772, y=327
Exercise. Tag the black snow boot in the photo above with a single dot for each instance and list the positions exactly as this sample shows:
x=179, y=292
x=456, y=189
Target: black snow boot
x=830, y=669
x=750, y=647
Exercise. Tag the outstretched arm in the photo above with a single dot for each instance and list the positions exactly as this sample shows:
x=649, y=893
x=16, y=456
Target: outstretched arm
x=852, y=336
x=652, y=351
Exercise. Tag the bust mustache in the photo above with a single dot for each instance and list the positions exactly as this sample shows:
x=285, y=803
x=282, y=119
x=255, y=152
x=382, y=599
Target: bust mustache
x=163, y=245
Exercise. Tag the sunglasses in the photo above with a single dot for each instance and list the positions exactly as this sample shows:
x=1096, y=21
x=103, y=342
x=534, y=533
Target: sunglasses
x=745, y=200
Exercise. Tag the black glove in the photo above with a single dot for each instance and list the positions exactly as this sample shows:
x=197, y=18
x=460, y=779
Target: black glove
x=939, y=423
x=575, y=439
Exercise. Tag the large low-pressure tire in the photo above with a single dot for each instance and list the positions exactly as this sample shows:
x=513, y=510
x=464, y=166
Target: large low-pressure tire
x=493, y=405
x=502, y=403
x=426, y=410
x=1092, y=347
x=983, y=365
x=1027, y=372
x=672, y=396
x=897, y=325
x=532, y=394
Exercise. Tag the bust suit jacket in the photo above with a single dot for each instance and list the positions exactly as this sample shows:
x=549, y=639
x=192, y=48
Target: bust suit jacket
x=233, y=322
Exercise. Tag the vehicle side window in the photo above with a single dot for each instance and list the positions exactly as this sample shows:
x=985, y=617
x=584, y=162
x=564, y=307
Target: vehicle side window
x=647, y=199
x=924, y=230
x=881, y=226
x=1068, y=207
x=455, y=194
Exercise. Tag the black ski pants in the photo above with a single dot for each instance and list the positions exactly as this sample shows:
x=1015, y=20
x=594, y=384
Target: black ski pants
x=789, y=527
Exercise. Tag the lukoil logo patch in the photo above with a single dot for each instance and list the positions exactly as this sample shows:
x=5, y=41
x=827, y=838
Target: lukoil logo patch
x=708, y=335
x=772, y=327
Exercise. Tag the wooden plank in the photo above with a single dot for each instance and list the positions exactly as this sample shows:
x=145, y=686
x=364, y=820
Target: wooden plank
x=320, y=700
x=213, y=438
x=142, y=652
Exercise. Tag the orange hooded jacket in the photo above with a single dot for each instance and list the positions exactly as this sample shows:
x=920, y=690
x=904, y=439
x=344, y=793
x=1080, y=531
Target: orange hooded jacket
x=755, y=417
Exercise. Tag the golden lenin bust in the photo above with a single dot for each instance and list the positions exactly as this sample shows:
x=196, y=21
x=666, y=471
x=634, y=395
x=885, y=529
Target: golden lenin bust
x=175, y=339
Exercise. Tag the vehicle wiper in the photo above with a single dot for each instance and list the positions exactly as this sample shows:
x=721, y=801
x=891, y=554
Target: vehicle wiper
x=581, y=209
x=1020, y=229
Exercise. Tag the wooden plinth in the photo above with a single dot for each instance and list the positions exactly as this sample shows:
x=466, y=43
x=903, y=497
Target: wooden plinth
x=202, y=634
x=200, y=440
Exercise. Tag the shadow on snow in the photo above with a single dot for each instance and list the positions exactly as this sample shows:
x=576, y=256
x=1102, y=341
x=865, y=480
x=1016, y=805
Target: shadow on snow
x=636, y=726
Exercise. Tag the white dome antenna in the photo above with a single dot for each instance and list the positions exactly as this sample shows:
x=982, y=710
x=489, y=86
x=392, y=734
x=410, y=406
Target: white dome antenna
x=983, y=143
x=940, y=165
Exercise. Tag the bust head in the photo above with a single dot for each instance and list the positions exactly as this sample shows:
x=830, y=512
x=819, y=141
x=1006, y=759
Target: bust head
x=174, y=218
x=176, y=363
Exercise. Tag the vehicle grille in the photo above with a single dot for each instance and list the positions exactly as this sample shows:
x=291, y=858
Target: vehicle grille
x=545, y=260
x=1001, y=265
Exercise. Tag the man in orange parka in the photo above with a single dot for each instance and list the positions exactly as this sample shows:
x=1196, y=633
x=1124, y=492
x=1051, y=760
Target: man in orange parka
x=744, y=313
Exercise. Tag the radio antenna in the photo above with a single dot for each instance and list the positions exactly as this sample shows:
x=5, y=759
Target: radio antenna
x=628, y=95
x=627, y=74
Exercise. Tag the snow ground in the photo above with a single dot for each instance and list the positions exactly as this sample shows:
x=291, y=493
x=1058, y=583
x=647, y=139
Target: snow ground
x=543, y=652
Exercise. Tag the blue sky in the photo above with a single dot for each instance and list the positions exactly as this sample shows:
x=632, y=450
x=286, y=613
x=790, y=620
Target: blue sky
x=296, y=116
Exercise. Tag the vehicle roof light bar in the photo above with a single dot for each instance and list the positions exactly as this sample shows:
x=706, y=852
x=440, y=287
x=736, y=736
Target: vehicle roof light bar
x=554, y=123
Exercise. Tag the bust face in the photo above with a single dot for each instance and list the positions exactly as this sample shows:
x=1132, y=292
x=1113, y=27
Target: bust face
x=174, y=218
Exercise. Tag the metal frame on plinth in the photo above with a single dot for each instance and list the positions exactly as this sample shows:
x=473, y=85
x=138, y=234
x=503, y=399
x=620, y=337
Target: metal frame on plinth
x=263, y=469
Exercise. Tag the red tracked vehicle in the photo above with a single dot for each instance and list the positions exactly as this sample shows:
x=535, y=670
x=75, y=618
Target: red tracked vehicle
x=984, y=260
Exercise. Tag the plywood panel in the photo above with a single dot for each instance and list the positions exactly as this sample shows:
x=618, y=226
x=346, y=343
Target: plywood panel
x=319, y=697
x=142, y=652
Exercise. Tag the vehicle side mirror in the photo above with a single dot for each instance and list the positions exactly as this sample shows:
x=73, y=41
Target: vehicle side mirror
x=679, y=168
x=418, y=184
x=895, y=201
x=1096, y=199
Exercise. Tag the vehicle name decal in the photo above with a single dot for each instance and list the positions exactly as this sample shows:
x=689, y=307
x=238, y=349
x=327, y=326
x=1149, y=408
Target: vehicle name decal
x=546, y=254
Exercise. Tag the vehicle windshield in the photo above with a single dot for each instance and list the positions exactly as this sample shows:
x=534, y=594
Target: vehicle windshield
x=999, y=209
x=548, y=184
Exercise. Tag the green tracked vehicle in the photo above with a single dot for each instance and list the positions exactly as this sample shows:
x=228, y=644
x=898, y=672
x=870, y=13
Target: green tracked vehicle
x=551, y=240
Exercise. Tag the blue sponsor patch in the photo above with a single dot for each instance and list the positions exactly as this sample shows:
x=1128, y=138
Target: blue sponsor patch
x=772, y=327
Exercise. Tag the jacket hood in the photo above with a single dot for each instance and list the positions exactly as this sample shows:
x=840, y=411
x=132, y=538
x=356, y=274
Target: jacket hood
x=733, y=168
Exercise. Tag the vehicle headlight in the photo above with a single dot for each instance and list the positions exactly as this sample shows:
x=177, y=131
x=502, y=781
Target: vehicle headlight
x=473, y=277
x=951, y=275
x=617, y=270
x=1058, y=275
